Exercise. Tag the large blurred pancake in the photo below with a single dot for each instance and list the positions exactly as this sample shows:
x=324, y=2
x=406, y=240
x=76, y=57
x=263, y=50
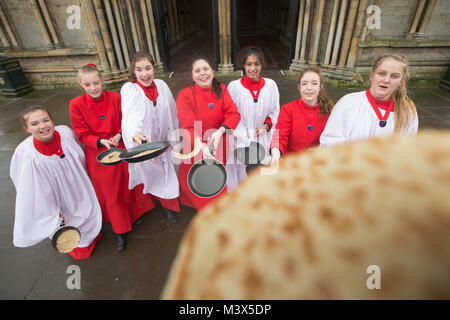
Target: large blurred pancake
x=312, y=230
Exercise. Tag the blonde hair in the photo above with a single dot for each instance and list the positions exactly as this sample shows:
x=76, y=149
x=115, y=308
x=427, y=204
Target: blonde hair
x=325, y=103
x=88, y=68
x=404, y=108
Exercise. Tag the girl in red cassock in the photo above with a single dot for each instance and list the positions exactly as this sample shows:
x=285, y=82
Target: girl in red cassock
x=205, y=110
x=302, y=121
x=96, y=119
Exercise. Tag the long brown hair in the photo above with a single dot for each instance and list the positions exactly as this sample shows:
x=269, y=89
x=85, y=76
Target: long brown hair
x=138, y=56
x=325, y=103
x=216, y=85
x=404, y=108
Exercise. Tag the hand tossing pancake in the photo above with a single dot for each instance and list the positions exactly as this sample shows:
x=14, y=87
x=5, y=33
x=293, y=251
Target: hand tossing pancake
x=362, y=220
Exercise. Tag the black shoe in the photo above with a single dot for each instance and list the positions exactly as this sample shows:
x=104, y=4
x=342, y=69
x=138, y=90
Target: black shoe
x=171, y=216
x=121, y=243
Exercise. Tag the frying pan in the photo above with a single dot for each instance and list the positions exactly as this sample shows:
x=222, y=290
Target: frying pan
x=106, y=153
x=130, y=154
x=66, y=238
x=251, y=155
x=207, y=177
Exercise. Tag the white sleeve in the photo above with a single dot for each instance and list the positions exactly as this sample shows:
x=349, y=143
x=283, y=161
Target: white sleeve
x=172, y=107
x=37, y=210
x=413, y=126
x=133, y=113
x=241, y=139
x=338, y=127
x=276, y=106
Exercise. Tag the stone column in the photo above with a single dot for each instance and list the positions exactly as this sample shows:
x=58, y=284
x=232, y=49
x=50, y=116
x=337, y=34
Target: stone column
x=41, y=23
x=361, y=19
x=225, y=36
x=340, y=26
x=301, y=12
x=334, y=12
x=416, y=18
x=159, y=64
x=105, y=35
x=4, y=39
x=123, y=41
x=348, y=32
x=95, y=31
x=305, y=32
x=133, y=26
x=57, y=43
x=317, y=30
x=8, y=29
x=114, y=35
x=426, y=18
x=148, y=35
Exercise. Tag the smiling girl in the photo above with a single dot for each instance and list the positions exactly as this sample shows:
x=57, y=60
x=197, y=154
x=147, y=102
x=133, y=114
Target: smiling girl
x=96, y=119
x=258, y=102
x=52, y=185
x=383, y=109
x=149, y=114
x=302, y=121
x=206, y=111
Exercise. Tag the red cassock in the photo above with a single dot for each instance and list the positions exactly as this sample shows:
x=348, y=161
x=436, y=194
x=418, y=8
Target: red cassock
x=198, y=104
x=95, y=119
x=292, y=132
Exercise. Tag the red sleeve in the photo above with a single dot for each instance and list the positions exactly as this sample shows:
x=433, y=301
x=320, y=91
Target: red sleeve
x=115, y=97
x=186, y=116
x=80, y=126
x=280, y=137
x=231, y=113
x=269, y=122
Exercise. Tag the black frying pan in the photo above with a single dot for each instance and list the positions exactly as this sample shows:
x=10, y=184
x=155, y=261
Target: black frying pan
x=102, y=156
x=252, y=155
x=66, y=238
x=207, y=177
x=132, y=155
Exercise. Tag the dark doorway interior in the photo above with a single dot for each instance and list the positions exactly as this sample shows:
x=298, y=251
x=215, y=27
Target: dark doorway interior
x=190, y=32
x=258, y=24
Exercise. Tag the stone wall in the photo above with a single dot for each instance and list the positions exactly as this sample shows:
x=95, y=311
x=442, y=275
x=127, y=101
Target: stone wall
x=56, y=67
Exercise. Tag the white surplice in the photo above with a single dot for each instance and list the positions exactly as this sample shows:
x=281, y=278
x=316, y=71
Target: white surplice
x=49, y=185
x=353, y=118
x=253, y=116
x=158, y=123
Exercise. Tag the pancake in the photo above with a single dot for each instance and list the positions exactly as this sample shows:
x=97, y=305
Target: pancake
x=68, y=240
x=143, y=153
x=112, y=157
x=362, y=220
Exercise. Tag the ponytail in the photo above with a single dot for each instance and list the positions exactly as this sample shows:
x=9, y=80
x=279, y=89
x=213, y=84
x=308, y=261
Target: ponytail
x=216, y=88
